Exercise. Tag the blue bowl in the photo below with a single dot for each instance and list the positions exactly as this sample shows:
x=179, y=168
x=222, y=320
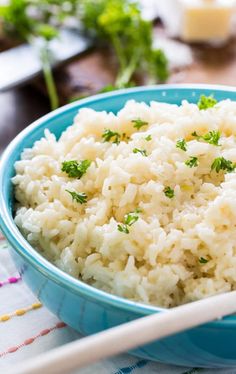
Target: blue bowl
x=87, y=309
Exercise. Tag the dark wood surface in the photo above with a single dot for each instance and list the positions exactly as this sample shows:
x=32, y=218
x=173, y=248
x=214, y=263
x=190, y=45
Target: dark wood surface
x=23, y=105
x=88, y=74
x=19, y=108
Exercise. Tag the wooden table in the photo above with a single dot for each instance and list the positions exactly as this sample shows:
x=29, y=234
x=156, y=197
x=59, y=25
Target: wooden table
x=92, y=71
x=19, y=108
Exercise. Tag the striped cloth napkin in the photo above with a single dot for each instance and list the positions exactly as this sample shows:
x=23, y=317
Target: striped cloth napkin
x=27, y=329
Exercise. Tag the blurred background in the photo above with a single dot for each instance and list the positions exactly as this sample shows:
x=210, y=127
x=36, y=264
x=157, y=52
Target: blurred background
x=53, y=52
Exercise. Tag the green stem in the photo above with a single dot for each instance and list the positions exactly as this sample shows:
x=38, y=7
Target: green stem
x=119, y=51
x=125, y=75
x=49, y=80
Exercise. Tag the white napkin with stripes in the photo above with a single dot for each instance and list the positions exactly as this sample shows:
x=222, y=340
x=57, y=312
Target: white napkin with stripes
x=28, y=329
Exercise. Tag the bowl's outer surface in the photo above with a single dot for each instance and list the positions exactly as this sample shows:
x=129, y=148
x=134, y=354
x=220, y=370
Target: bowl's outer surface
x=82, y=307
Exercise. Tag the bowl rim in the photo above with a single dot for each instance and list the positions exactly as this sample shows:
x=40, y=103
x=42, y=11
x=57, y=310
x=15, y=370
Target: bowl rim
x=30, y=255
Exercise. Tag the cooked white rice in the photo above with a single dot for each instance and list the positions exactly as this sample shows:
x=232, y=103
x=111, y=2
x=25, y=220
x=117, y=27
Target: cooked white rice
x=160, y=260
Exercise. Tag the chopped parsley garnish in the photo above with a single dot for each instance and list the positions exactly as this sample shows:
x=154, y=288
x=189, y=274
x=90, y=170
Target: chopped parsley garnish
x=148, y=138
x=195, y=134
x=220, y=163
x=192, y=162
x=203, y=260
x=75, y=169
x=123, y=228
x=129, y=220
x=181, y=143
x=142, y=151
x=212, y=137
x=79, y=197
x=138, y=123
x=169, y=192
x=132, y=217
x=206, y=102
x=110, y=135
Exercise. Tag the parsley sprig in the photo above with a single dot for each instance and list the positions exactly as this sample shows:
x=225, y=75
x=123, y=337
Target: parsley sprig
x=143, y=152
x=75, y=169
x=27, y=20
x=206, y=102
x=212, y=137
x=195, y=135
x=148, y=138
x=192, y=162
x=220, y=163
x=110, y=135
x=79, y=197
x=129, y=220
x=203, y=260
x=122, y=227
x=117, y=24
x=169, y=192
x=138, y=123
x=181, y=143
x=120, y=23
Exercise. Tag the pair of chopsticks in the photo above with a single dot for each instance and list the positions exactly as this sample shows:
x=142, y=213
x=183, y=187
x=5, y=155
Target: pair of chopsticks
x=122, y=338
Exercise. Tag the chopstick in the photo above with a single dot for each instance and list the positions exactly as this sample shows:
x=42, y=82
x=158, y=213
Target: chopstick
x=127, y=336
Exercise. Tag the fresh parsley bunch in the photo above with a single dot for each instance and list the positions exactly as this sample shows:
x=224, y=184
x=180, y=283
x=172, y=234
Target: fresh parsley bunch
x=26, y=18
x=206, y=102
x=30, y=19
x=120, y=23
x=116, y=23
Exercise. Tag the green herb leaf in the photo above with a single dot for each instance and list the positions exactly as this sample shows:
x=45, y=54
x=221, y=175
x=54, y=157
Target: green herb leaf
x=15, y=18
x=160, y=64
x=148, y=138
x=79, y=197
x=169, y=192
x=195, y=134
x=181, y=143
x=123, y=228
x=206, y=102
x=192, y=162
x=203, y=260
x=138, y=123
x=212, y=137
x=129, y=220
x=220, y=163
x=111, y=135
x=75, y=169
x=46, y=31
x=143, y=152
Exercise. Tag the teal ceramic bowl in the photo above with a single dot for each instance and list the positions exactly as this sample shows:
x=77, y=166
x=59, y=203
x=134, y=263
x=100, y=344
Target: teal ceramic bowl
x=89, y=310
